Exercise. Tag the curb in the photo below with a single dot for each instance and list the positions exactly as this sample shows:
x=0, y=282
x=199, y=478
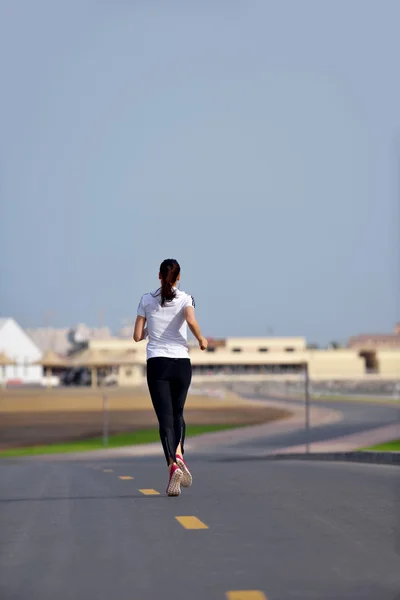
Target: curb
x=378, y=458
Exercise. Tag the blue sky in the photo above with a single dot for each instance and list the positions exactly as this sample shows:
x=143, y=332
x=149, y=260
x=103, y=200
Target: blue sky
x=257, y=142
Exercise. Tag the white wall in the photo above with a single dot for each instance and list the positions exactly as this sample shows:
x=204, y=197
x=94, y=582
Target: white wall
x=18, y=346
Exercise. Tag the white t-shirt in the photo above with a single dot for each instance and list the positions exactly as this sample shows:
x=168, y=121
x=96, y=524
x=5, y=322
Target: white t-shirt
x=166, y=325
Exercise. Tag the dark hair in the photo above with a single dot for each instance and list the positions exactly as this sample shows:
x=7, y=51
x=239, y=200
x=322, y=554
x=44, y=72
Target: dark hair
x=169, y=271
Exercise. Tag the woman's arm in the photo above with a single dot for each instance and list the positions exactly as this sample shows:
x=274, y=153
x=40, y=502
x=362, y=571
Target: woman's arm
x=140, y=331
x=194, y=327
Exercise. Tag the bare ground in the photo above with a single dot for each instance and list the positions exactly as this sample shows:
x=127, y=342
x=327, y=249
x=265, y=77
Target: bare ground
x=30, y=417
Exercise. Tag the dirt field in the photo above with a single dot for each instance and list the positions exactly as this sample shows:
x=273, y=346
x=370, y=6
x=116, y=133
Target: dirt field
x=29, y=417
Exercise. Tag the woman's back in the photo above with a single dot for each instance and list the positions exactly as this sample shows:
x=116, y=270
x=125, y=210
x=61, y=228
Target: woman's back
x=166, y=325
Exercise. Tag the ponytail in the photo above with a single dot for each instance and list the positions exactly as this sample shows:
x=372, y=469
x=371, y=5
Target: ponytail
x=167, y=292
x=169, y=271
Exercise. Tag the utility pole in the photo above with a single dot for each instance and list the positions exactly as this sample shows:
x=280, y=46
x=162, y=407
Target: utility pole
x=307, y=406
x=397, y=234
x=48, y=318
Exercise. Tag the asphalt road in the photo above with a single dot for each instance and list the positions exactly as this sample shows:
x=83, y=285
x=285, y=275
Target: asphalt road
x=289, y=530
x=278, y=530
x=357, y=417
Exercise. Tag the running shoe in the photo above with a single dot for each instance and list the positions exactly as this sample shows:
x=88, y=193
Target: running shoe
x=175, y=479
x=187, y=476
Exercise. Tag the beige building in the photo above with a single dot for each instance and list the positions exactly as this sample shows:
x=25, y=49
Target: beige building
x=388, y=364
x=376, y=341
x=380, y=351
x=261, y=359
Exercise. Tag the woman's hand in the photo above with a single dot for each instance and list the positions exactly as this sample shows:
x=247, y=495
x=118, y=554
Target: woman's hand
x=203, y=343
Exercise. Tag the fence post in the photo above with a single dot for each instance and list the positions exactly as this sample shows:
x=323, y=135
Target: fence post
x=105, y=421
x=307, y=407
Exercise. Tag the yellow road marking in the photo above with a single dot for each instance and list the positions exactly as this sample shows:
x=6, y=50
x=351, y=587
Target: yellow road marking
x=246, y=595
x=125, y=477
x=108, y=471
x=150, y=492
x=191, y=523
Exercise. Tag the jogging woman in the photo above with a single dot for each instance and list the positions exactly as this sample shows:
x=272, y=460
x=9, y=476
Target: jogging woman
x=163, y=317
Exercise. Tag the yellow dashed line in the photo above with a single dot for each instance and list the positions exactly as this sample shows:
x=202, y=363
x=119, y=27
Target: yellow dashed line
x=246, y=595
x=191, y=523
x=125, y=477
x=150, y=492
x=108, y=471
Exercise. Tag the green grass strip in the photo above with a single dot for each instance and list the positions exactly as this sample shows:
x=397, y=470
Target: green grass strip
x=142, y=436
x=393, y=446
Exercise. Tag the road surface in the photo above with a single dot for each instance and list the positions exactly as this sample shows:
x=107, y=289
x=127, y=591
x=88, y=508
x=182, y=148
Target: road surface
x=357, y=417
x=103, y=528
x=282, y=531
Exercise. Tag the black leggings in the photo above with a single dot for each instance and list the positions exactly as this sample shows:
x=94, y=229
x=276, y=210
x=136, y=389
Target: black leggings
x=169, y=381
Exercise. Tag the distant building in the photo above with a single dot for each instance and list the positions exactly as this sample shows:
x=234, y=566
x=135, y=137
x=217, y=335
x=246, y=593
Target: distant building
x=376, y=341
x=126, y=331
x=64, y=340
x=50, y=338
x=261, y=359
x=19, y=347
